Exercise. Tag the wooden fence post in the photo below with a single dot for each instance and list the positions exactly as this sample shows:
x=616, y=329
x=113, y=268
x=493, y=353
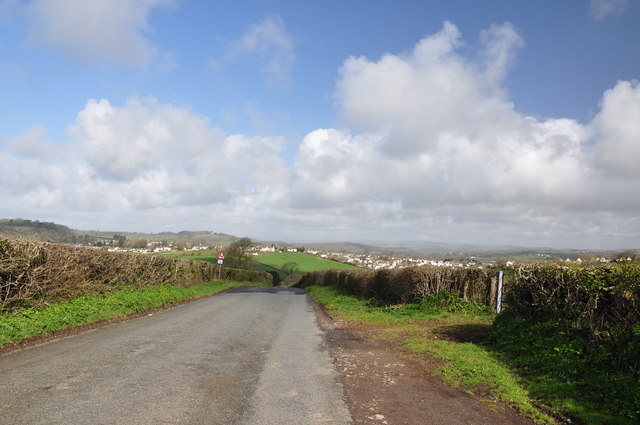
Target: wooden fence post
x=493, y=291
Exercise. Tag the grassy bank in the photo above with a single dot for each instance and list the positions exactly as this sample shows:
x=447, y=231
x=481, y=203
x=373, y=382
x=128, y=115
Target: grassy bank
x=92, y=308
x=446, y=327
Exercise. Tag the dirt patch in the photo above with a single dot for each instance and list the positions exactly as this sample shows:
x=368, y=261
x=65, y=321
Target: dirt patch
x=385, y=385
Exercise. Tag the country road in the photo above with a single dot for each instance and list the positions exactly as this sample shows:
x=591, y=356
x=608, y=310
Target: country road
x=248, y=356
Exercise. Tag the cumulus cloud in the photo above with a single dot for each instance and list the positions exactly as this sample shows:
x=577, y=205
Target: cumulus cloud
x=432, y=149
x=440, y=128
x=157, y=153
x=616, y=129
x=144, y=157
x=97, y=30
x=434, y=135
x=430, y=92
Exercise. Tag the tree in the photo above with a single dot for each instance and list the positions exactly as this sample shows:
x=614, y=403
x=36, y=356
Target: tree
x=120, y=240
x=138, y=243
x=238, y=252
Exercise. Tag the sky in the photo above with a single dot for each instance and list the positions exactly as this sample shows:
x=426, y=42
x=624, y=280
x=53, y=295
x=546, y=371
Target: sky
x=498, y=122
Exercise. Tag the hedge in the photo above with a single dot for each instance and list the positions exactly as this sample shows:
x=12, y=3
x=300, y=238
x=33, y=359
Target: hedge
x=409, y=284
x=35, y=273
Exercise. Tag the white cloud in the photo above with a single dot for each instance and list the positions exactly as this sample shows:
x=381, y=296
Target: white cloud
x=433, y=149
x=158, y=154
x=96, y=30
x=438, y=138
x=123, y=163
x=601, y=9
x=617, y=131
x=421, y=96
x=270, y=43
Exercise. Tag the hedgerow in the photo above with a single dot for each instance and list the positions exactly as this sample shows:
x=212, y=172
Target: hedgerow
x=35, y=273
x=409, y=284
x=574, y=331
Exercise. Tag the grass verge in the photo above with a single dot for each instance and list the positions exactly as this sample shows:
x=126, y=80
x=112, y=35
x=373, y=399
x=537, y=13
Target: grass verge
x=444, y=306
x=127, y=299
x=445, y=327
x=577, y=380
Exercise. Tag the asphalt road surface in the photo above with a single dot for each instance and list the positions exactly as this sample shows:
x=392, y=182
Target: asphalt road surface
x=248, y=356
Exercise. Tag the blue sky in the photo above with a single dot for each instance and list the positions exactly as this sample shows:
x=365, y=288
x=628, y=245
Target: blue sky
x=498, y=122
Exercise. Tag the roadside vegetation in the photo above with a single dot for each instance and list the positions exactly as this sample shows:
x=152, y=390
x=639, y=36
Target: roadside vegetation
x=127, y=299
x=566, y=347
x=574, y=334
x=35, y=274
x=47, y=287
x=443, y=326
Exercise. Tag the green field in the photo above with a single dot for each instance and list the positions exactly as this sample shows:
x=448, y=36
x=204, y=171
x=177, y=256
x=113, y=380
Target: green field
x=299, y=262
x=202, y=255
x=281, y=264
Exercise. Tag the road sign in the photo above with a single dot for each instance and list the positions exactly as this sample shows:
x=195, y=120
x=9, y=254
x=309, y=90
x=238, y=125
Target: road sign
x=221, y=256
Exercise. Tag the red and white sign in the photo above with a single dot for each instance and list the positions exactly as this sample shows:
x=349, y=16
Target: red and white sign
x=221, y=256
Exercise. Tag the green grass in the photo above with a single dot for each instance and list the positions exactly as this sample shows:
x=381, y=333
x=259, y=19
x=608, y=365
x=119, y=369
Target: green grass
x=349, y=307
x=577, y=379
x=281, y=263
x=422, y=327
x=202, y=255
x=301, y=262
x=93, y=308
x=469, y=366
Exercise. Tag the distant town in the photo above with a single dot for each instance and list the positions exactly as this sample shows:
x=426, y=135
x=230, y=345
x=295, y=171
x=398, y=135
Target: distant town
x=364, y=260
x=365, y=256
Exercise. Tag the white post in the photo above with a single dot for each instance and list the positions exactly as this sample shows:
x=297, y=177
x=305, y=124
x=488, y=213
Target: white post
x=499, y=303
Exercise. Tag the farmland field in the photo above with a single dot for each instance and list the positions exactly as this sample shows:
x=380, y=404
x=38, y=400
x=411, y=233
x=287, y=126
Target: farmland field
x=202, y=255
x=301, y=262
x=281, y=264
